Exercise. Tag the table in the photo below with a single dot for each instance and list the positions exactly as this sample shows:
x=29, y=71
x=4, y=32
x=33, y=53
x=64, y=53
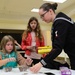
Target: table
x=15, y=71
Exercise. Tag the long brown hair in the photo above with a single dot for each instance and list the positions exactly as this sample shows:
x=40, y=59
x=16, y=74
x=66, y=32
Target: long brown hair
x=4, y=40
x=29, y=29
x=47, y=6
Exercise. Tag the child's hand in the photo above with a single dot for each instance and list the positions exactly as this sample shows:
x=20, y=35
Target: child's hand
x=10, y=59
x=29, y=47
x=15, y=42
x=32, y=48
x=29, y=61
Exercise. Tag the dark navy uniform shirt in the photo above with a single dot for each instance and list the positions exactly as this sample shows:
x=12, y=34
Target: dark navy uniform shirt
x=63, y=37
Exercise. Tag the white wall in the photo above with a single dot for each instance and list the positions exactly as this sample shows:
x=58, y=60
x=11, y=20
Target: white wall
x=20, y=26
x=46, y=28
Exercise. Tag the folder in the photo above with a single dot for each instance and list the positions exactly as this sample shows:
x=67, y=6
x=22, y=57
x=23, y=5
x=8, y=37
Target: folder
x=45, y=49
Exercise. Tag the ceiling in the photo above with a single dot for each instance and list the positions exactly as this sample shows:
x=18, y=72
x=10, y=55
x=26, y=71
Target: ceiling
x=19, y=11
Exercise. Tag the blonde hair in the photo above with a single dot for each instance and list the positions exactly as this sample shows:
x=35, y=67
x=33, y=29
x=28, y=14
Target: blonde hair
x=6, y=39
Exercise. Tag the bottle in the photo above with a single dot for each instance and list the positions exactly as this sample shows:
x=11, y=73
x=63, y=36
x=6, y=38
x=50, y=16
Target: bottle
x=65, y=71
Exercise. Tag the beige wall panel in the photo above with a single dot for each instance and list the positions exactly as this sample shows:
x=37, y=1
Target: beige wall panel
x=20, y=26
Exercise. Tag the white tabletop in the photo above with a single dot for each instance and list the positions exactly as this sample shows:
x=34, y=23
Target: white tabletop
x=16, y=71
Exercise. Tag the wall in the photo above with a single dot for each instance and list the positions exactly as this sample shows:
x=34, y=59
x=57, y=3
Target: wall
x=11, y=25
x=47, y=37
x=20, y=25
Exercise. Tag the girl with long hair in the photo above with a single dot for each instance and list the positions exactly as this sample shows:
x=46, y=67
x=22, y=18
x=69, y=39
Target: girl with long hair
x=32, y=38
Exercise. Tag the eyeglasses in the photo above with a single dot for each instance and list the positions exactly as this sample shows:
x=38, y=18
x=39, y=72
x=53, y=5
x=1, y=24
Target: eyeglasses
x=43, y=14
